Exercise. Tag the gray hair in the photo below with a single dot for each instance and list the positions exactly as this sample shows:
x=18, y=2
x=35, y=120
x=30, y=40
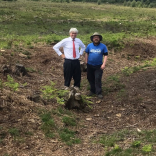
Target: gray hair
x=73, y=30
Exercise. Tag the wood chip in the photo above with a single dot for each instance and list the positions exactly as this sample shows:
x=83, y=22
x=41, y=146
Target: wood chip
x=96, y=115
x=138, y=130
x=118, y=115
x=88, y=119
x=98, y=101
x=22, y=55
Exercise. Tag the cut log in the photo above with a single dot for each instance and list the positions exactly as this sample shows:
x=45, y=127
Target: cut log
x=73, y=99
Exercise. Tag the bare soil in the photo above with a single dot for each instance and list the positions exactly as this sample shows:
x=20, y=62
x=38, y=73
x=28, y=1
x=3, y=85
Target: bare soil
x=132, y=108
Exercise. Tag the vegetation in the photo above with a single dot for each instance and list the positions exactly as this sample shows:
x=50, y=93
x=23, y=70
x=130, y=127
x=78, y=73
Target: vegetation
x=130, y=70
x=50, y=92
x=68, y=136
x=132, y=3
x=143, y=143
x=51, y=128
x=44, y=23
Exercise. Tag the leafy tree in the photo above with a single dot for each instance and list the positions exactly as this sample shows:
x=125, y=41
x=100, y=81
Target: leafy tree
x=133, y=3
x=99, y=2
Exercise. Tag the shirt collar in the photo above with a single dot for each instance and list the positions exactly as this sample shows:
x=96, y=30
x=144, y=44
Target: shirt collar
x=71, y=38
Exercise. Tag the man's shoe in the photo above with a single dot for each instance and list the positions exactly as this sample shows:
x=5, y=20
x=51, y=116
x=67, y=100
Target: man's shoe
x=100, y=96
x=90, y=93
x=77, y=88
x=66, y=88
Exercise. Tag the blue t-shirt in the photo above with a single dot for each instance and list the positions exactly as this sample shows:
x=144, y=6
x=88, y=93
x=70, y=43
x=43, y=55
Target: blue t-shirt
x=96, y=53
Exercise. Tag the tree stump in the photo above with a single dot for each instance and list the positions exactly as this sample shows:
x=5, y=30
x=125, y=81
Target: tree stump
x=6, y=69
x=73, y=99
x=83, y=66
x=20, y=70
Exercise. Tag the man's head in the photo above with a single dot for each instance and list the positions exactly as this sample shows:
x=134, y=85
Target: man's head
x=96, y=38
x=73, y=33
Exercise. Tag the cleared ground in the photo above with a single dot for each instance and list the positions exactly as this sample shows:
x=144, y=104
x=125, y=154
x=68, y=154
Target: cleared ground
x=129, y=103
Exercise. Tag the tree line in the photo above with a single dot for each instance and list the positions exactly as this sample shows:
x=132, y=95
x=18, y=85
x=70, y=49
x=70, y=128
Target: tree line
x=130, y=3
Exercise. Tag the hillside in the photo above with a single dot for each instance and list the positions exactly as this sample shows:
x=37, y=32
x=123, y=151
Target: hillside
x=129, y=103
x=122, y=123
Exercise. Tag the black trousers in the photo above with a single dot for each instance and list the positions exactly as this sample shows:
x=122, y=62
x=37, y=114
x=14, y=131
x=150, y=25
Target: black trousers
x=72, y=69
x=94, y=76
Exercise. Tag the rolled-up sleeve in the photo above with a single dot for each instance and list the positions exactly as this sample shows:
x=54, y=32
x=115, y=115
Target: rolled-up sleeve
x=57, y=47
x=82, y=47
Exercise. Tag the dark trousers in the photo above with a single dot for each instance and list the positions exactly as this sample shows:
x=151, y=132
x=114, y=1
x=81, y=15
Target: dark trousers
x=94, y=76
x=72, y=69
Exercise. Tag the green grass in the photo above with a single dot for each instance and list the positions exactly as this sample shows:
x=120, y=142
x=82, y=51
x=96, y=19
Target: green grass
x=68, y=136
x=31, y=22
x=113, y=83
x=51, y=128
x=142, y=143
x=127, y=71
x=48, y=125
x=68, y=121
x=14, y=132
x=29, y=69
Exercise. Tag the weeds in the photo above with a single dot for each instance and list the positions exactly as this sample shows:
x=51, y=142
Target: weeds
x=127, y=71
x=50, y=92
x=48, y=125
x=113, y=83
x=14, y=132
x=68, y=137
x=69, y=121
x=85, y=100
x=143, y=143
x=31, y=70
x=11, y=84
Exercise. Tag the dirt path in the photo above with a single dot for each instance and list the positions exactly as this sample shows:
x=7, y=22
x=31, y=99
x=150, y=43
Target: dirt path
x=130, y=107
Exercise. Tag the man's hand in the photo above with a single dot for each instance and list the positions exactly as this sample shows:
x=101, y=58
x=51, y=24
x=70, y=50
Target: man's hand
x=102, y=66
x=63, y=56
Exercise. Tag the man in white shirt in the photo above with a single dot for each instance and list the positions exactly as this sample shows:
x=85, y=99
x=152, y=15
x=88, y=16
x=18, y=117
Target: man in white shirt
x=71, y=47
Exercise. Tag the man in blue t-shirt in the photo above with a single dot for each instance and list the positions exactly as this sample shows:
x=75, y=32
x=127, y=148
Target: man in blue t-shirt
x=95, y=63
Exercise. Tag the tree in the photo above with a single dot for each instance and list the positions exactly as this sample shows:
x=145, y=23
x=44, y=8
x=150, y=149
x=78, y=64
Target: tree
x=99, y=2
x=133, y=3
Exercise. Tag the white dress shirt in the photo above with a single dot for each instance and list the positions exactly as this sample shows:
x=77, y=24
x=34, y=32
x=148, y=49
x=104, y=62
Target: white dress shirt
x=67, y=45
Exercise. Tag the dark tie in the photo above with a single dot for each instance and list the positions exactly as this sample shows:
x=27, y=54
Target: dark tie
x=74, y=52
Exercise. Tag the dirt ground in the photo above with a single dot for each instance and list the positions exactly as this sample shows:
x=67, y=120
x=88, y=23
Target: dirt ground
x=133, y=108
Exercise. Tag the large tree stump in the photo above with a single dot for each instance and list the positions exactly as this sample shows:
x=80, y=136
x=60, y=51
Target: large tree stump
x=73, y=99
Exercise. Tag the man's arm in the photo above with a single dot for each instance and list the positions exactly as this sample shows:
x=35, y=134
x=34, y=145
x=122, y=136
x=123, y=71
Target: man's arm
x=86, y=58
x=104, y=62
x=82, y=47
x=57, y=48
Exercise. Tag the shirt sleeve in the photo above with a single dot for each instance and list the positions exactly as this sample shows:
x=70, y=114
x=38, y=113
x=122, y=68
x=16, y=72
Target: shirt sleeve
x=105, y=51
x=57, y=47
x=82, y=47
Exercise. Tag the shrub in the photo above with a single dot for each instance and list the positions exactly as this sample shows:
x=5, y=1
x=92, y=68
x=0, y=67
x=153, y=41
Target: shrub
x=99, y=2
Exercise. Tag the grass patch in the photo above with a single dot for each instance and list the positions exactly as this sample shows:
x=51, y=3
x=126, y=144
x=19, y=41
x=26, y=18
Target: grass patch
x=52, y=130
x=113, y=83
x=31, y=70
x=144, y=143
x=127, y=71
x=14, y=132
x=26, y=53
x=68, y=137
x=68, y=121
x=48, y=125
